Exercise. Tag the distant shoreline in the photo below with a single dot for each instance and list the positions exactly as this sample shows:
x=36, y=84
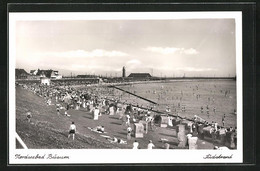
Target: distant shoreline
x=153, y=79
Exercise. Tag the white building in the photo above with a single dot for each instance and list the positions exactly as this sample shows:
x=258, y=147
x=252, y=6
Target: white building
x=46, y=73
x=45, y=81
x=55, y=75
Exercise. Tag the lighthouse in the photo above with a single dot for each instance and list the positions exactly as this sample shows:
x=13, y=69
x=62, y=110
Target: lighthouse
x=123, y=72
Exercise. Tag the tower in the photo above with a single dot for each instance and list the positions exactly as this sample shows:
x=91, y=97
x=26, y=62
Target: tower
x=123, y=72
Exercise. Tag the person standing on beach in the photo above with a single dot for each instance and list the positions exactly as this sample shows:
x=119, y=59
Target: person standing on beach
x=135, y=145
x=214, y=110
x=29, y=116
x=207, y=111
x=223, y=119
x=129, y=130
x=226, y=93
x=56, y=98
x=72, y=130
x=67, y=108
x=58, y=109
x=127, y=120
x=168, y=110
x=150, y=145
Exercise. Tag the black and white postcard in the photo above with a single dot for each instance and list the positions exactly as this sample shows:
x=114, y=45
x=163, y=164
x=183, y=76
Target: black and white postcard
x=125, y=87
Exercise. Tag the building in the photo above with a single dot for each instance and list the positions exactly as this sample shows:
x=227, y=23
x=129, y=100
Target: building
x=34, y=72
x=140, y=75
x=45, y=81
x=21, y=74
x=38, y=74
x=55, y=75
x=123, y=72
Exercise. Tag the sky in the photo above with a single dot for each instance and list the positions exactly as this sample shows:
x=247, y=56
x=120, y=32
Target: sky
x=194, y=47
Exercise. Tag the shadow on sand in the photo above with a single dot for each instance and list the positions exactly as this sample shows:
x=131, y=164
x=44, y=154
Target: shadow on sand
x=88, y=117
x=115, y=123
x=168, y=135
x=113, y=117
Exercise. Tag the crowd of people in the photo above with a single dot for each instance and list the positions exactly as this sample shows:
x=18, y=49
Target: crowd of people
x=93, y=100
x=201, y=128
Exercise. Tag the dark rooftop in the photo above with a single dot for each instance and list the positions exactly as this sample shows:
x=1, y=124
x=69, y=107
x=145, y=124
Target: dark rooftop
x=140, y=75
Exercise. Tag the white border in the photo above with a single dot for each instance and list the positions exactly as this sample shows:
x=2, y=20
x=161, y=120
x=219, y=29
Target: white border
x=82, y=156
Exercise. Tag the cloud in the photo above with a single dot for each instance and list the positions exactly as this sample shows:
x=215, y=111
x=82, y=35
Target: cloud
x=190, y=51
x=83, y=68
x=172, y=50
x=194, y=69
x=133, y=62
x=85, y=54
x=164, y=51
